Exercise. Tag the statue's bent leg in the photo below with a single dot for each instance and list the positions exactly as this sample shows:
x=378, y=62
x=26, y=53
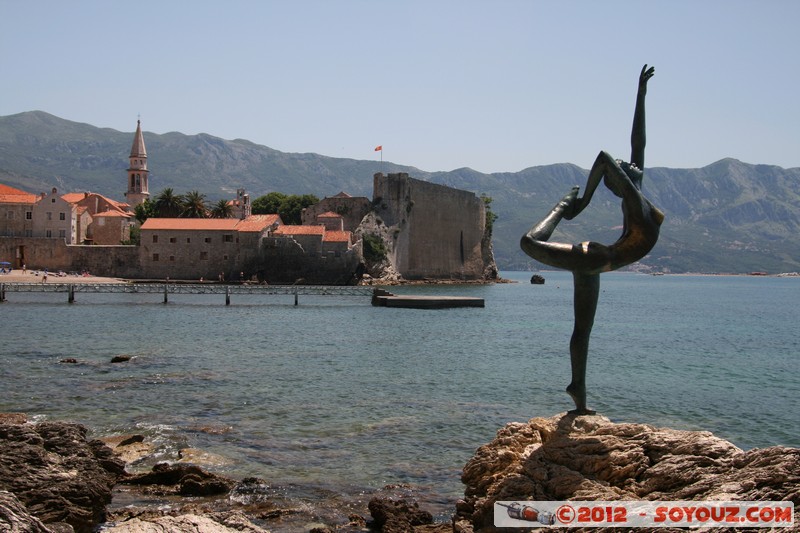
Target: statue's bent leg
x=534, y=242
x=587, y=290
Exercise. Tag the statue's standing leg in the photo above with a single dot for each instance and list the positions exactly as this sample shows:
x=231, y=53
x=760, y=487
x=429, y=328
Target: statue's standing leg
x=587, y=290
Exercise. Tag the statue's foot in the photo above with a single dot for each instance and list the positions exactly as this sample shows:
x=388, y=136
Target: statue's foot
x=582, y=412
x=578, y=395
x=567, y=203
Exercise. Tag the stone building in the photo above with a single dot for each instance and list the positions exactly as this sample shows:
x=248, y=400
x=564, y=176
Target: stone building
x=56, y=218
x=110, y=221
x=194, y=248
x=16, y=212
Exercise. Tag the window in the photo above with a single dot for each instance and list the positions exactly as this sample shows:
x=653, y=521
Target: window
x=155, y=257
x=225, y=257
x=62, y=216
x=203, y=255
x=208, y=239
x=29, y=233
x=173, y=240
x=188, y=240
x=28, y=215
x=10, y=215
x=227, y=238
x=62, y=233
x=172, y=258
x=49, y=215
x=48, y=233
x=155, y=238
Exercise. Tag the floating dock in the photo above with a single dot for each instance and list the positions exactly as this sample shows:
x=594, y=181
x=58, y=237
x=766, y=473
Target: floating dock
x=382, y=298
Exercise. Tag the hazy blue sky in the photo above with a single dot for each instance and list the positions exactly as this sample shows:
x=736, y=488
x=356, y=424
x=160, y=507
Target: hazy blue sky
x=441, y=84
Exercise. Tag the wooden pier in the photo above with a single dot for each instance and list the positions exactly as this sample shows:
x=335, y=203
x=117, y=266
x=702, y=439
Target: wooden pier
x=379, y=297
x=166, y=289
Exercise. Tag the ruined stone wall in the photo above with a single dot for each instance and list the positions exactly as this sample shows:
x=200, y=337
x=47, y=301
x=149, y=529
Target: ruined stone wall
x=352, y=209
x=438, y=229
x=284, y=260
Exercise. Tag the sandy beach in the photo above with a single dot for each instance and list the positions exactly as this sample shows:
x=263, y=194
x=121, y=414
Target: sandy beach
x=16, y=276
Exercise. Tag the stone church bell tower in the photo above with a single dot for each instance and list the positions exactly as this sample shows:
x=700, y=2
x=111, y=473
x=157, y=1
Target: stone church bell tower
x=137, y=170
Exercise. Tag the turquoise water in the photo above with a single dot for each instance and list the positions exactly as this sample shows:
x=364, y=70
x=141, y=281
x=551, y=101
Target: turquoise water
x=337, y=398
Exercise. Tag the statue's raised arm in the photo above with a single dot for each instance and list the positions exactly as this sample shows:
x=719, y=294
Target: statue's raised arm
x=638, y=137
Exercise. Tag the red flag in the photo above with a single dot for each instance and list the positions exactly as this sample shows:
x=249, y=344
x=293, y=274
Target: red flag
x=379, y=148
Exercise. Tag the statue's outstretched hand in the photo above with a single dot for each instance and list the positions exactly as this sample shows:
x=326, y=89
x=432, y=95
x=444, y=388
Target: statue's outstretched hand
x=644, y=77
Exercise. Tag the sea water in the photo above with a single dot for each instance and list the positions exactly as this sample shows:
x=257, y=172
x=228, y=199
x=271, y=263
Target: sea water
x=334, y=399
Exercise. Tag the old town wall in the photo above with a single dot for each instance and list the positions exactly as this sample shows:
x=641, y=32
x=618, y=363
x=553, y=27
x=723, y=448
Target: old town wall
x=437, y=229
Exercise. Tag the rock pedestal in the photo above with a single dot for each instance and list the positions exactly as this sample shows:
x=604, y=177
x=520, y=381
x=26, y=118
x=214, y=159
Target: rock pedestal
x=590, y=458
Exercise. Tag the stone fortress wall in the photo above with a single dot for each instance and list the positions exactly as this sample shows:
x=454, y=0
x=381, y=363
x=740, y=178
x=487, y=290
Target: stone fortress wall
x=437, y=230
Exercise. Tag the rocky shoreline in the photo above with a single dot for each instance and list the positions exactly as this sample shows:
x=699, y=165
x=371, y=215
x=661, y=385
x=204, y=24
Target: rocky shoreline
x=55, y=479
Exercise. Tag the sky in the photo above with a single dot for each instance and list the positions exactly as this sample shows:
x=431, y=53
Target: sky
x=497, y=86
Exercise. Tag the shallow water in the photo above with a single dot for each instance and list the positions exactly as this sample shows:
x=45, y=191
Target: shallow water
x=337, y=398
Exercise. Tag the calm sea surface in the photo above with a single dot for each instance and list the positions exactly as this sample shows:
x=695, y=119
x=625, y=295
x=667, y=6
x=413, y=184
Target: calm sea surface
x=334, y=399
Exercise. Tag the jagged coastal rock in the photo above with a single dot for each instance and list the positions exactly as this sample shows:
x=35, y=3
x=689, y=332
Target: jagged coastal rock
x=60, y=477
x=591, y=458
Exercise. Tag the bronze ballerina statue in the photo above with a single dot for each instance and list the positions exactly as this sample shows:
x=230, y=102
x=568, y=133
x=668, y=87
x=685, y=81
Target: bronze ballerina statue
x=641, y=223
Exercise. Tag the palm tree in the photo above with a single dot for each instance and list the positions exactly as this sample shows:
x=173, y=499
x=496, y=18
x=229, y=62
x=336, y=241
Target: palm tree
x=222, y=209
x=194, y=205
x=168, y=204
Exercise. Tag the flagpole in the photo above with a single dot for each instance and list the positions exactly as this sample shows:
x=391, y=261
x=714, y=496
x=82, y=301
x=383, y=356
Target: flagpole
x=379, y=148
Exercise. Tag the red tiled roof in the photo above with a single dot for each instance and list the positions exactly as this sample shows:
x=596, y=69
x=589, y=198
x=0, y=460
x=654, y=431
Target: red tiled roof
x=7, y=189
x=336, y=236
x=329, y=214
x=182, y=224
x=11, y=195
x=75, y=197
x=300, y=230
x=257, y=223
x=113, y=213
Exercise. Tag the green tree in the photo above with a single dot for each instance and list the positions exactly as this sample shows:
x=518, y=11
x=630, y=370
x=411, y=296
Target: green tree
x=490, y=215
x=289, y=207
x=374, y=248
x=145, y=210
x=268, y=204
x=194, y=205
x=222, y=209
x=168, y=204
x=292, y=207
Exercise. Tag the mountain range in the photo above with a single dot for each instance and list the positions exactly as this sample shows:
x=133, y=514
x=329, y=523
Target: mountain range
x=726, y=217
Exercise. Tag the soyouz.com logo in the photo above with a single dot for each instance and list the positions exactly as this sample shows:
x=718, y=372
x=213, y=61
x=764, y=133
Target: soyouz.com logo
x=629, y=513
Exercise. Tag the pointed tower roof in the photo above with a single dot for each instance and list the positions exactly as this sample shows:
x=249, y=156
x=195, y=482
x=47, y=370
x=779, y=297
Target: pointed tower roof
x=137, y=150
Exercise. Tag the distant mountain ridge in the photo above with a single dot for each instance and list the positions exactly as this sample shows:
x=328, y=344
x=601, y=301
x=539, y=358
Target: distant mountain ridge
x=728, y=216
